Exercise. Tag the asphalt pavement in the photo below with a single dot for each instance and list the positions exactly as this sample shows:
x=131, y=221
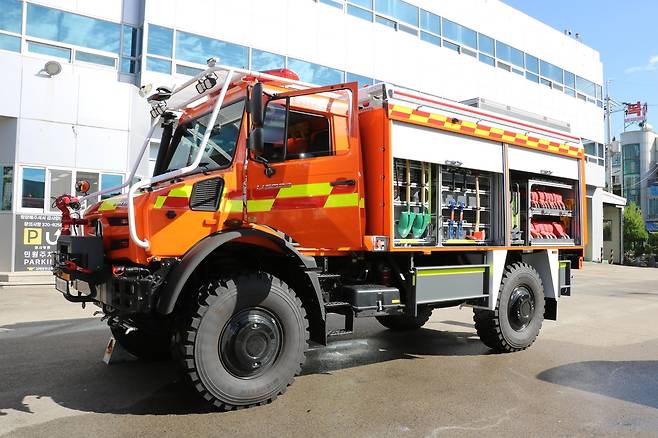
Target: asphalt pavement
x=594, y=372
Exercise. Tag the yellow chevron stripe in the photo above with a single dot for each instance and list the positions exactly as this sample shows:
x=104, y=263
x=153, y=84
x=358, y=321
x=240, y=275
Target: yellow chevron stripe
x=107, y=206
x=159, y=201
x=342, y=200
x=232, y=206
x=181, y=192
x=259, y=205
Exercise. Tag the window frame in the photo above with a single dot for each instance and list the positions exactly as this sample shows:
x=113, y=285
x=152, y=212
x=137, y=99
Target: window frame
x=11, y=190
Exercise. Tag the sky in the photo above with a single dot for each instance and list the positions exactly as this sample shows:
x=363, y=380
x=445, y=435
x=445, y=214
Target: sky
x=626, y=36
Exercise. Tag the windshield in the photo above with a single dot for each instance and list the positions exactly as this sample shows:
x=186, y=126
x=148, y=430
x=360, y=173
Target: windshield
x=221, y=144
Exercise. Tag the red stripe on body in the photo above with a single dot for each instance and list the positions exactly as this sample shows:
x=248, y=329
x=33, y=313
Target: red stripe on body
x=301, y=202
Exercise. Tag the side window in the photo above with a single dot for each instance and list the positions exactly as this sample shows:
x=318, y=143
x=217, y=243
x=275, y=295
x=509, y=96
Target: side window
x=308, y=134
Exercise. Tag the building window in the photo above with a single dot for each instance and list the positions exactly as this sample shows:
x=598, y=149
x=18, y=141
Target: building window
x=430, y=22
x=60, y=184
x=197, y=49
x=10, y=42
x=6, y=187
x=487, y=60
x=459, y=33
x=158, y=65
x=65, y=27
x=364, y=3
x=334, y=3
x=48, y=50
x=486, y=44
x=262, y=60
x=95, y=59
x=362, y=80
x=160, y=41
x=585, y=86
x=358, y=12
x=187, y=71
x=532, y=63
x=33, y=187
x=509, y=54
x=551, y=72
x=403, y=11
x=315, y=73
x=428, y=37
x=11, y=18
x=109, y=180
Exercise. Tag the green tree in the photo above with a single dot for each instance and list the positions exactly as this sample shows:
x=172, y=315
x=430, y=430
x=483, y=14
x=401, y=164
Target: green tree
x=652, y=243
x=635, y=232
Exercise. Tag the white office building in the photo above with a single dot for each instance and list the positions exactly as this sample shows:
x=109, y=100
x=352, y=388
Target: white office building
x=88, y=120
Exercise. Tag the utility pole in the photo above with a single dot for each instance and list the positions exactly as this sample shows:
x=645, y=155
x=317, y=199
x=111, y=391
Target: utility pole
x=608, y=147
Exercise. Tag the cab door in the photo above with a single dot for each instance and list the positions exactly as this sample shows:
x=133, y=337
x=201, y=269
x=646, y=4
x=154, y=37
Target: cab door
x=315, y=194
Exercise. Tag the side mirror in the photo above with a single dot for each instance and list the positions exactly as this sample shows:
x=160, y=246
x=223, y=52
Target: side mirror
x=256, y=105
x=256, y=143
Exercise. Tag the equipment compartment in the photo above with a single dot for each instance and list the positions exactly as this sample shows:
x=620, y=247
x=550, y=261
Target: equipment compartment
x=435, y=284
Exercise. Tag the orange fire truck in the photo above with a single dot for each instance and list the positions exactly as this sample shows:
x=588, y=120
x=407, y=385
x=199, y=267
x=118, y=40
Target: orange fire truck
x=275, y=202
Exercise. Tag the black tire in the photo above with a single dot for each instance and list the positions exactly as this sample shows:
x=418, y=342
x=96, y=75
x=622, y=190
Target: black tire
x=149, y=343
x=519, y=314
x=246, y=342
x=405, y=322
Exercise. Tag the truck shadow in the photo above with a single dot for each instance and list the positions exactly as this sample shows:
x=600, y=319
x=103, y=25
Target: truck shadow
x=632, y=381
x=61, y=360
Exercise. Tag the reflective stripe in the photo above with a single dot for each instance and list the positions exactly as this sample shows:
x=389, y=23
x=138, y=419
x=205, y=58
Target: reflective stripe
x=159, y=202
x=108, y=206
x=362, y=203
x=342, y=200
x=181, y=192
x=299, y=190
x=450, y=271
x=259, y=205
x=402, y=113
x=233, y=206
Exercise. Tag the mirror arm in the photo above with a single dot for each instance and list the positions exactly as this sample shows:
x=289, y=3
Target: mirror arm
x=269, y=170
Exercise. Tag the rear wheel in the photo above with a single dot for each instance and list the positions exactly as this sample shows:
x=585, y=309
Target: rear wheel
x=246, y=342
x=405, y=322
x=519, y=314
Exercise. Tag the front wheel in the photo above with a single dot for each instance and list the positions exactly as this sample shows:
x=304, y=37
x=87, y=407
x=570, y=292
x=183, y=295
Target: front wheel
x=519, y=314
x=246, y=342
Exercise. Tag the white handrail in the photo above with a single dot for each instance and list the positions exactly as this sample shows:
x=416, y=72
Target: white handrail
x=178, y=172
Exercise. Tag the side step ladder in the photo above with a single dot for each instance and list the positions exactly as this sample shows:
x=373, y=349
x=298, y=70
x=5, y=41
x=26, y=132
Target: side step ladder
x=345, y=309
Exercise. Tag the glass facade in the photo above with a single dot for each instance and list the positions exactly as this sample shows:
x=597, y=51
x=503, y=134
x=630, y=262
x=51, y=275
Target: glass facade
x=631, y=172
x=10, y=42
x=197, y=49
x=315, y=73
x=11, y=17
x=160, y=41
x=429, y=27
x=65, y=27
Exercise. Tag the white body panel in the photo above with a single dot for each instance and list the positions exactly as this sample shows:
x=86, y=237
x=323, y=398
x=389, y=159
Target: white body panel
x=420, y=143
x=539, y=162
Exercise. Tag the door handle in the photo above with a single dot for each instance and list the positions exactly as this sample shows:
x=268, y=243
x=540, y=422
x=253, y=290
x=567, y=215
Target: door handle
x=343, y=182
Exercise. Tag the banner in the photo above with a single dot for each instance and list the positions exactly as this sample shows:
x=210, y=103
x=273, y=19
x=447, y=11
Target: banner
x=635, y=112
x=36, y=238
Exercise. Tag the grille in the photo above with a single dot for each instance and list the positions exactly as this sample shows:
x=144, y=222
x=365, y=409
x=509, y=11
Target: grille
x=206, y=195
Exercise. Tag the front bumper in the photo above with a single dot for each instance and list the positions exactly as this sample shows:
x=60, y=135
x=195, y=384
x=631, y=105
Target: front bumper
x=82, y=277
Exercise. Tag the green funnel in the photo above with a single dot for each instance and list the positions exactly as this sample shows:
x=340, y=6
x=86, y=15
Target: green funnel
x=423, y=220
x=407, y=218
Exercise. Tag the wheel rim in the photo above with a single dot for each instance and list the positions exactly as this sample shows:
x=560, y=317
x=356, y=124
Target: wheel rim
x=521, y=307
x=250, y=343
